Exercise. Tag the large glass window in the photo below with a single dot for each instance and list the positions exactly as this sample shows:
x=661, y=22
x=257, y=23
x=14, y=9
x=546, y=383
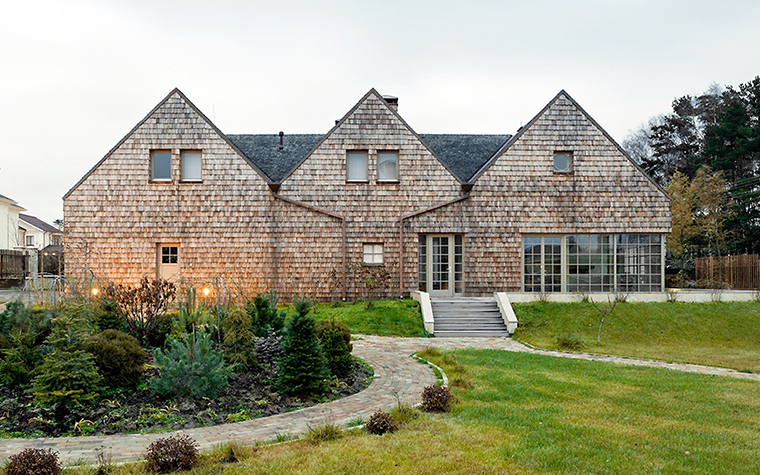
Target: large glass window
x=593, y=263
x=542, y=264
x=160, y=165
x=356, y=166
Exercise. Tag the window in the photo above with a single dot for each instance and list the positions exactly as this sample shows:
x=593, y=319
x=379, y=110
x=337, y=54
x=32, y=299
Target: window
x=387, y=166
x=593, y=263
x=356, y=165
x=191, y=165
x=169, y=254
x=563, y=162
x=373, y=254
x=29, y=240
x=160, y=165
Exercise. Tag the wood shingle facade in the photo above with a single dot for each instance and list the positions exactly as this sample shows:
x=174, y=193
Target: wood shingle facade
x=557, y=207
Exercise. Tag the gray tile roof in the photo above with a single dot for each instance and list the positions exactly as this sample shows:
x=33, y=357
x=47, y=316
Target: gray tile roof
x=462, y=154
x=39, y=224
x=264, y=151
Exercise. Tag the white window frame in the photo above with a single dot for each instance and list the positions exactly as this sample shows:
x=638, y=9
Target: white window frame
x=372, y=254
x=153, y=154
x=354, y=167
x=394, y=178
x=185, y=163
x=569, y=154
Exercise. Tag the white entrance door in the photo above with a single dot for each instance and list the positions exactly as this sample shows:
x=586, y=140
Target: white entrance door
x=168, y=260
x=441, y=265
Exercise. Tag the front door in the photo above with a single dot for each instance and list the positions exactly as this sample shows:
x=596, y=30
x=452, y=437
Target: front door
x=441, y=264
x=168, y=261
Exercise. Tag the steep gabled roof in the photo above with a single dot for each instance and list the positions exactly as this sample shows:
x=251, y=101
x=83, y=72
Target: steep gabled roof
x=265, y=152
x=527, y=126
x=39, y=224
x=139, y=124
x=464, y=154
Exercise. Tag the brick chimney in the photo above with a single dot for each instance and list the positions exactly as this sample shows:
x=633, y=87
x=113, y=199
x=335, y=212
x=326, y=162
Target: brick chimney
x=392, y=101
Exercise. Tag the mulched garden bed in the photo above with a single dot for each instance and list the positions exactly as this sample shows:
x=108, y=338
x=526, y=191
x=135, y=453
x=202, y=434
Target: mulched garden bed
x=247, y=397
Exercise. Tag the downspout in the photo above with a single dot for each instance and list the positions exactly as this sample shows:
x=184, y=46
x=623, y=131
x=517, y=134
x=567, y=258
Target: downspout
x=464, y=196
x=276, y=187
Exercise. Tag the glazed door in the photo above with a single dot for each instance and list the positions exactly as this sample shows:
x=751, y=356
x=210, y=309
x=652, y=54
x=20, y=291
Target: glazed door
x=441, y=265
x=168, y=261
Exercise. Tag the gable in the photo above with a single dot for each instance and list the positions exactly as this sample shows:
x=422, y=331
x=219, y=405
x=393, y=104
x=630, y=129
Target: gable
x=174, y=119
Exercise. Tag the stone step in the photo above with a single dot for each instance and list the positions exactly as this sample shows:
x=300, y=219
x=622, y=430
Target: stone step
x=458, y=333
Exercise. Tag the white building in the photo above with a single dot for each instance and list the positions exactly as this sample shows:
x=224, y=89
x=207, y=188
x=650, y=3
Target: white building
x=9, y=223
x=37, y=234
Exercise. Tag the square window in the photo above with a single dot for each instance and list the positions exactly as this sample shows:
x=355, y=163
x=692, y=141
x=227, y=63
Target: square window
x=191, y=165
x=387, y=166
x=563, y=162
x=161, y=165
x=169, y=254
x=356, y=165
x=373, y=254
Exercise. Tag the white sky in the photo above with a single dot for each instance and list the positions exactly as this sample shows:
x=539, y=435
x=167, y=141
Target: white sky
x=76, y=76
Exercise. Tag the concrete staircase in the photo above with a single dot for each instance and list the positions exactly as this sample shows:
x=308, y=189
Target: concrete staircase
x=467, y=317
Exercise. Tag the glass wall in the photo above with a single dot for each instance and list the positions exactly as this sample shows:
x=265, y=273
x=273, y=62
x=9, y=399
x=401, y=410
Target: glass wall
x=593, y=263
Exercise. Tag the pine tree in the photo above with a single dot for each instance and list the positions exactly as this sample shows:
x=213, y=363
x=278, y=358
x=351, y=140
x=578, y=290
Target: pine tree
x=303, y=369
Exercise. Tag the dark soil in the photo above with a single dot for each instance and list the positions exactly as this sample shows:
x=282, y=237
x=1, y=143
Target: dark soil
x=248, y=396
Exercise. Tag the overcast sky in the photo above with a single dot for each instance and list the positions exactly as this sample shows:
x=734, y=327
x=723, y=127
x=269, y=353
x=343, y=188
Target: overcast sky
x=78, y=75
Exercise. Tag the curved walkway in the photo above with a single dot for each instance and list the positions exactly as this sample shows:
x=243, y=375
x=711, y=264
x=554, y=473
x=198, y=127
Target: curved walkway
x=396, y=376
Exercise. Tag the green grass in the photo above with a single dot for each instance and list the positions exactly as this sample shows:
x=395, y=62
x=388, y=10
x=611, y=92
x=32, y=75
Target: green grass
x=534, y=414
x=390, y=317
x=724, y=334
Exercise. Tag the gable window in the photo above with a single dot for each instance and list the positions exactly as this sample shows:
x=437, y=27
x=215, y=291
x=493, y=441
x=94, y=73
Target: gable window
x=373, y=254
x=387, y=166
x=191, y=165
x=160, y=165
x=356, y=165
x=29, y=240
x=563, y=162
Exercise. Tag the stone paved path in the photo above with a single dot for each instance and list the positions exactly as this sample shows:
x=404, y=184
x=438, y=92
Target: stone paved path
x=396, y=375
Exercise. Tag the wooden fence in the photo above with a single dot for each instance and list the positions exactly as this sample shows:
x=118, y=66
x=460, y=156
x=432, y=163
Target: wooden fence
x=734, y=272
x=12, y=268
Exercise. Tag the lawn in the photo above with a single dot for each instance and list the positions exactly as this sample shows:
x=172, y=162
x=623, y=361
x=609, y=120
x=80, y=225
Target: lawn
x=725, y=334
x=389, y=317
x=534, y=414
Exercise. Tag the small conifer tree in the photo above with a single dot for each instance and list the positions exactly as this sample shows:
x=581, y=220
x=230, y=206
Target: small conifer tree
x=303, y=369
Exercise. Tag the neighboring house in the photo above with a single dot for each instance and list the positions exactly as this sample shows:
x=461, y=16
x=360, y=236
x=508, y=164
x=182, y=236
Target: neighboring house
x=37, y=234
x=9, y=223
x=558, y=207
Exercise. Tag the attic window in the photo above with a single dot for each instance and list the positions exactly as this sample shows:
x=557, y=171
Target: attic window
x=356, y=165
x=191, y=165
x=387, y=166
x=160, y=165
x=563, y=162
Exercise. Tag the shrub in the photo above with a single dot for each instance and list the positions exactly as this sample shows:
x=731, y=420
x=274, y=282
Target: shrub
x=571, y=341
x=336, y=345
x=264, y=314
x=302, y=367
x=22, y=332
x=68, y=373
x=380, y=423
x=33, y=462
x=267, y=351
x=142, y=306
x=239, y=338
x=436, y=399
x=118, y=357
x=108, y=316
x=172, y=454
x=190, y=367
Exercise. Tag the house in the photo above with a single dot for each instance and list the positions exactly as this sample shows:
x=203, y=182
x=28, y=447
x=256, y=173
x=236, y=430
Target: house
x=37, y=234
x=9, y=223
x=557, y=207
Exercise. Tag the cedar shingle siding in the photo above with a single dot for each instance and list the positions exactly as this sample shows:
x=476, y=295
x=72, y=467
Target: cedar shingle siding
x=270, y=216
